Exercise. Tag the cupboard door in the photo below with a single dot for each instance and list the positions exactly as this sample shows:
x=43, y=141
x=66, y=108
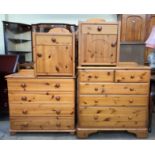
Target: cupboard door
x=54, y=60
x=99, y=49
x=133, y=28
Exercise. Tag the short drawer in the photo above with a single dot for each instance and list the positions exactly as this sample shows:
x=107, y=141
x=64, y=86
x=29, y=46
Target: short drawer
x=132, y=76
x=41, y=123
x=113, y=100
x=53, y=40
x=41, y=110
x=100, y=29
x=41, y=97
x=96, y=76
x=41, y=85
x=114, y=88
x=118, y=117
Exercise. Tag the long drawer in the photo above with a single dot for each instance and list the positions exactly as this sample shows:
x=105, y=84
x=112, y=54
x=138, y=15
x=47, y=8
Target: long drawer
x=41, y=123
x=113, y=117
x=114, y=88
x=113, y=100
x=96, y=76
x=41, y=85
x=41, y=109
x=57, y=98
x=132, y=76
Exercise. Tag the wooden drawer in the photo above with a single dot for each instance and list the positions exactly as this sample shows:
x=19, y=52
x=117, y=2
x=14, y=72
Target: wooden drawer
x=132, y=76
x=41, y=85
x=118, y=117
x=42, y=123
x=53, y=40
x=41, y=109
x=113, y=100
x=96, y=75
x=100, y=29
x=114, y=88
x=57, y=98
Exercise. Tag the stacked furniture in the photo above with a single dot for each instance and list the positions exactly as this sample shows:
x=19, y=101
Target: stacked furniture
x=111, y=95
x=43, y=99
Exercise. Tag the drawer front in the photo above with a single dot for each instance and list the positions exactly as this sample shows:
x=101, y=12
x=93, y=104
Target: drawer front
x=96, y=76
x=57, y=98
x=41, y=110
x=113, y=100
x=53, y=40
x=100, y=29
x=114, y=88
x=41, y=85
x=120, y=117
x=132, y=76
x=42, y=123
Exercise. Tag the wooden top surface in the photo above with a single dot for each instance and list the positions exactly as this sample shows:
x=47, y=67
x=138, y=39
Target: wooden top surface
x=29, y=73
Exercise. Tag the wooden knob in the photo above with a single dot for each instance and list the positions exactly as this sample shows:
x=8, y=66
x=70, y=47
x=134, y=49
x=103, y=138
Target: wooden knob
x=113, y=44
x=57, y=98
x=23, y=98
x=131, y=89
x=96, y=89
x=130, y=101
x=23, y=85
x=132, y=76
x=99, y=28
x=58, y=112
x=25, y=124
x=53, y=40
x=57, y=85
x=39, y=55
x=58, y=125
x=25, y=112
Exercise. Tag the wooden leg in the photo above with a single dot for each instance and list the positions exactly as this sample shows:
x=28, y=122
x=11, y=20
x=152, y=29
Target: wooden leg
x=84, y=133
x=12, y=133
x=140, y=133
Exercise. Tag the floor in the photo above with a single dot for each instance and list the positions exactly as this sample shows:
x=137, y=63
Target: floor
x=5, y=135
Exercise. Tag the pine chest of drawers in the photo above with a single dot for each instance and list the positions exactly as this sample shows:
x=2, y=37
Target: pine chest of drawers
x=40, y=104
x=113, y=98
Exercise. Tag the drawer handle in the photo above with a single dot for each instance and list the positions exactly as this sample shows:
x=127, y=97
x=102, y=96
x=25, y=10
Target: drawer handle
x=132, y=77
x=131, y=101
x=39, y=55
x=24, y=98
x=53, y=40
x=25, y=112
x=57, y=98
x=131, y=89
x=113, y=44
x=99, y=28
x=23, y=85
x=58, y=125
x=25, y=124
x=58, y=112
x=57, y=85
x=96, y=89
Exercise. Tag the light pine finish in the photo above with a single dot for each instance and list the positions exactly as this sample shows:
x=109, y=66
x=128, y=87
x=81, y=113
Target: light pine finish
x=54, y=53
x=98, y=43
x=118, y=104
x=133, y=27
x=41, y=104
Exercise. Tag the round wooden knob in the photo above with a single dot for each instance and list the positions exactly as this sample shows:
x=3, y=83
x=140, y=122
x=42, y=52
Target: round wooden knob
x=53, y=40
x=39, y=55
x=57, y=98
x=132, y=76
x=25, y=112
x=58, y=112
x=113, y=44
x=57, y=85
x=58, y=125
x=131, y=89
x=99, y=28
x=23, y=85
x=96, y=89
x=23, y=98
x=25, y=124
x=130, y=101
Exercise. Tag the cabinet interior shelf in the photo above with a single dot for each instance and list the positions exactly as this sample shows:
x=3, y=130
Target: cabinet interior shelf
x=19, y=52
x=132, y=43
x=18, y=40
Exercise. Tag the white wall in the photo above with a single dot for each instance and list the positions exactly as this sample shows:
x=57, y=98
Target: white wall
x=48, y=18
